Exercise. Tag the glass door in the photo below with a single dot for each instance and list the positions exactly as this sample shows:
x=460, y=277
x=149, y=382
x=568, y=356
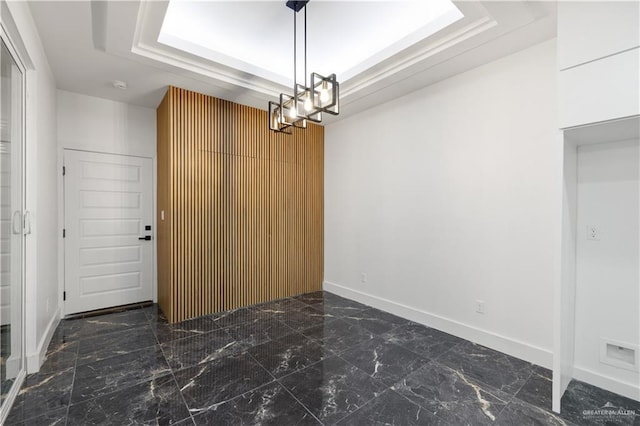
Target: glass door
x=11, y=223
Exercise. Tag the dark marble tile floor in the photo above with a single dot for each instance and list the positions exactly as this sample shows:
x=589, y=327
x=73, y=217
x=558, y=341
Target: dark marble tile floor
x=313, y=359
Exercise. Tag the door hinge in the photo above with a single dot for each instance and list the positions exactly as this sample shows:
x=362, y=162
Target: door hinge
x=64, y=233
x=64, y=295
x=64, y=170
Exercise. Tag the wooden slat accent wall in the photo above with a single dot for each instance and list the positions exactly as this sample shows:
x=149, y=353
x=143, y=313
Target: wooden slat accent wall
x=243, y=207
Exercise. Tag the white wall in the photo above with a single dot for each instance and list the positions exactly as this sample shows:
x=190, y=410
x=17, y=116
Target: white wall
x=41, y=305
x=100, y=125
x=451, y=195
x=45, y=217
x=94, y=124
x=608, y=269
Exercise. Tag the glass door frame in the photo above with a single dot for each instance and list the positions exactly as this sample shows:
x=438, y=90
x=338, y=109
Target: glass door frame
x=17, y=384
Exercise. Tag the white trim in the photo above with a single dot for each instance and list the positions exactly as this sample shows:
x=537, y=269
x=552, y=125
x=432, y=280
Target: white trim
x=62, y=223
x=627, y=389
x=11, y=396
x=516, y=348
x=35, y=360
x=13, y=365
x=14, y=42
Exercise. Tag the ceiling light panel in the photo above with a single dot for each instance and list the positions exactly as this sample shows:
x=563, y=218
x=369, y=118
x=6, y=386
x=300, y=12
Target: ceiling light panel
x=345, y=37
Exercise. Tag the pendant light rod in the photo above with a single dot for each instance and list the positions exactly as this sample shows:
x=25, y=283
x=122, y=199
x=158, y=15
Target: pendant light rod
x=295, y=50
x=306, y=82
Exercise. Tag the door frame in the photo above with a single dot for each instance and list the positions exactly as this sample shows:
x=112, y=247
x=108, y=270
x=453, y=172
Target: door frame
x=16, y=51
x=62, y=276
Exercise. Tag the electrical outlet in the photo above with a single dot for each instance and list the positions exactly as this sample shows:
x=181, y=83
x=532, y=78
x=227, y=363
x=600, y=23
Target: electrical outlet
x=363, y=277
x=480, y=306
x=593, y=233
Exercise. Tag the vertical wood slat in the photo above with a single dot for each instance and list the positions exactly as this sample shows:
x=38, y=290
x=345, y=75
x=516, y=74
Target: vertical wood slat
x=243, y=207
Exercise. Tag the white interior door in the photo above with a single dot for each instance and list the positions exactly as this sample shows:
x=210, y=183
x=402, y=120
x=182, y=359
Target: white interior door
x=108, y=208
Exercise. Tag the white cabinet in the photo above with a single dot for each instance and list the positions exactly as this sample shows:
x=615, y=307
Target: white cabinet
x=602, y=90
x=598, y=61
x=588, y=31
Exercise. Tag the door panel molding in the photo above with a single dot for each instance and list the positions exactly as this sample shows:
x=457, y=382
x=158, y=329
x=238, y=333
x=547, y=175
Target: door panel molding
x=108, y=203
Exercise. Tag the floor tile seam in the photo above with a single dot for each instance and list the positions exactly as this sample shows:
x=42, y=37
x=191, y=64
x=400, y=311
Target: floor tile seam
x=273, y=379
x=346, y=416
x=73, y=384
x=24, y=420
x=524, y=382
x=311, y=304
x=415, y=352
x=298, y=401
x=184, y=401
x=301, y=330
x=155, y=335
x=121, y=388
x=535, y=373
x=115, y=355
x=317, y=308
x=166, y=360
x=296, y=332
x=109, y=333
x=235, y=324
x=56, y=370
x=352, y=346
x=219, y=403
x=263, y=367
x=437, y=413
x=193, y=336
x=486, y=387
x=31, y=418
x=394, y=326
x=403, y=348
x=425, y=366
x=450, y=349
x=284, y=324
x=269, y=339
x=300, y=369
x=368, y=375
x=427, y=409
x=175, y=370
x=366, y=402
x=548, y=411
x=504, y=407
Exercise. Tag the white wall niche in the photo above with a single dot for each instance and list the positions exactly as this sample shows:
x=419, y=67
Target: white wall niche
x=600, y=289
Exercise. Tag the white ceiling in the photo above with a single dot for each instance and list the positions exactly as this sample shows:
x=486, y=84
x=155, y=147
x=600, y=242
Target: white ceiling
x=343, y=38
x=385, y=48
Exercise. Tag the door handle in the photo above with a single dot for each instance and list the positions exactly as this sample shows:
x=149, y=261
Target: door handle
x=145, y=238
x=27, y=223
x=16, y=222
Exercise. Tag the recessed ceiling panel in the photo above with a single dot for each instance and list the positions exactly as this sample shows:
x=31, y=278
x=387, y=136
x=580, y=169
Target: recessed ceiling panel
x=345, y=38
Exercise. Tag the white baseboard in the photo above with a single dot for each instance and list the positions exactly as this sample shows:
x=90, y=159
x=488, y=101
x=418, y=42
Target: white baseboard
x=13, y=365
x=510, y=346
x=629, y=390
x=35, y=360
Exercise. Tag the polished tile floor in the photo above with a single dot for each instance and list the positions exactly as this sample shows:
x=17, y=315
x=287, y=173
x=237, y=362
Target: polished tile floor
x=313, y=359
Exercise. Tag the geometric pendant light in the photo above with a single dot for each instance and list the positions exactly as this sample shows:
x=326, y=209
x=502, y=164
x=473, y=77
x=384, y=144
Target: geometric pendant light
x=318, y=94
